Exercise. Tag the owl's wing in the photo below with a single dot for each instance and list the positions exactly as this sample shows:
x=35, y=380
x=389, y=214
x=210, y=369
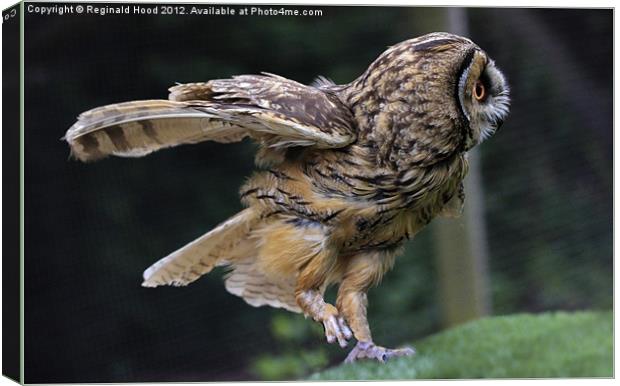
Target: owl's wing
x=276, y=111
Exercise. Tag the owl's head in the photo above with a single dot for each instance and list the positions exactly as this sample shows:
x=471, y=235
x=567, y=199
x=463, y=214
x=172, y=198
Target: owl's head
x=483, y=95
x=478, y=89
x=431, y=95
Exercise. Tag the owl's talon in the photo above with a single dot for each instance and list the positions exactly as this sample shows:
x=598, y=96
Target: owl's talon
x=337, y=330
x=371, y=351
x=345, y=329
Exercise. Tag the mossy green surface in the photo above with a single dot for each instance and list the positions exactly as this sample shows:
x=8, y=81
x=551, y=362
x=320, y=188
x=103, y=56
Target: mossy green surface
x=547, y=345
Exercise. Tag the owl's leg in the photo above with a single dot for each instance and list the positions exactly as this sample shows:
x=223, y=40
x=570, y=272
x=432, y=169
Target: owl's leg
x=309, y=297
x=362, y=272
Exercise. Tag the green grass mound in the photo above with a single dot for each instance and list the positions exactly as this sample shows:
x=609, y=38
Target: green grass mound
x=516, y=346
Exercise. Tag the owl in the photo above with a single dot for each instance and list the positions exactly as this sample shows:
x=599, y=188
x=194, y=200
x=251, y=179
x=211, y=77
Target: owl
x=346, y=173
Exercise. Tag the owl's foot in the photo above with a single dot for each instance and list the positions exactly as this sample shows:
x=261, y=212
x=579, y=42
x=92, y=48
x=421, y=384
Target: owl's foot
x=370, y=350
x=335, y=327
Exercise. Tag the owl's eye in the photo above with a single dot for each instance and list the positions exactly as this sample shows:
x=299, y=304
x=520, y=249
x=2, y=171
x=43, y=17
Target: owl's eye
x=480, y=92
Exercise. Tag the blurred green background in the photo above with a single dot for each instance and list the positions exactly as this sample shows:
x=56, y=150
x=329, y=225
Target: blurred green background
x=91, y=229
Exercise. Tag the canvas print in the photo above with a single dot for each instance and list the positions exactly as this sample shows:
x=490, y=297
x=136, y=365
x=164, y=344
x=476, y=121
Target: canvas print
x=229, y=192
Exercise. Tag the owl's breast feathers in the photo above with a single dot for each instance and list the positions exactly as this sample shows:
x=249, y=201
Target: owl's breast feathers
x=362, y=206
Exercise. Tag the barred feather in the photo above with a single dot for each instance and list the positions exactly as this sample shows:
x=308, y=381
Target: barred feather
x=249, y=282
x=217, y=247
x=134, y=129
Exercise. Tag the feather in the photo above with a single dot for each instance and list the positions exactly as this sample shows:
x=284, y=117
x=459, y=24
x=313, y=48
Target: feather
x=271, y=109
x=454, y=207
x=217, y=247
x=322, y=82
x=190, y=91
x=134, y=129
x=248, y=281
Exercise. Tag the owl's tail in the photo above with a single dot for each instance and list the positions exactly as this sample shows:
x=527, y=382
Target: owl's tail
x=221, y=246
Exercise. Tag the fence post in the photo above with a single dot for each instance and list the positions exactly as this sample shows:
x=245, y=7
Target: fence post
x=461, y=245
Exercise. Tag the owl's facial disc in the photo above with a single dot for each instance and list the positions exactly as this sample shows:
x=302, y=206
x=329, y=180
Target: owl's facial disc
x=483, y=96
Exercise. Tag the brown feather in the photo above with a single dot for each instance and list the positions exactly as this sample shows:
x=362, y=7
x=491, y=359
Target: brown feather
x=248, y=281
x=221, y=245
x=134, y=129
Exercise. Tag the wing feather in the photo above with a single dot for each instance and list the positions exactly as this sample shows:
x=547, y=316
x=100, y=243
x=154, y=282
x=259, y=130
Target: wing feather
x=249, y=282
x=274, y=110
x=134, y=129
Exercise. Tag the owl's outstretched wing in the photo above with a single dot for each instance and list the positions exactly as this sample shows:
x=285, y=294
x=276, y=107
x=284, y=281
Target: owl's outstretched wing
x=276, y=111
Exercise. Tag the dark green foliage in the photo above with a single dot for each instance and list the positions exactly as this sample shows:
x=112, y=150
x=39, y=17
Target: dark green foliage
x=551, y=345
